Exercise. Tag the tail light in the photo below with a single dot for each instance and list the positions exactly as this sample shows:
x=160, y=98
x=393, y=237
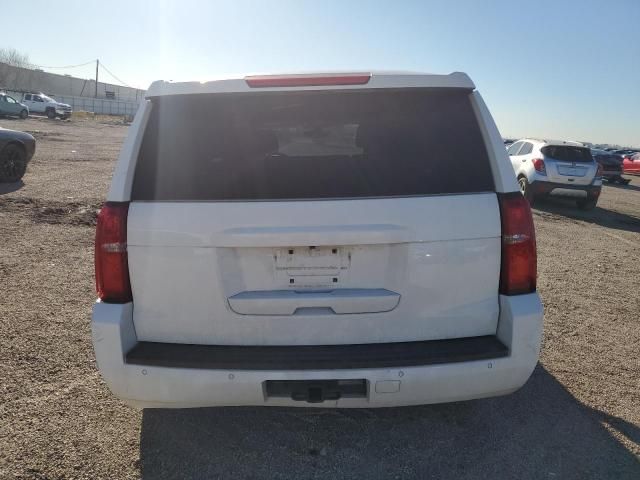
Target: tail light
x=111, y=263
x=260, y=81
x=538, y=165
x=519, y=260
x=599, y=171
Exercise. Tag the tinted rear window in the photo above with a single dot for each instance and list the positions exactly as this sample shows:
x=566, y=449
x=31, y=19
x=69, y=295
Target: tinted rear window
x=311, y=145
x=567, y=153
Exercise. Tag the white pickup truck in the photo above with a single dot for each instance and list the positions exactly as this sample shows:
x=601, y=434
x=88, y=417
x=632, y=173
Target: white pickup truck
x=41, y=103
x=343, y=240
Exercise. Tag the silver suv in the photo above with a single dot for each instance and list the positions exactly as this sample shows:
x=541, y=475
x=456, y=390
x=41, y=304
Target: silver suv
x=556, y=167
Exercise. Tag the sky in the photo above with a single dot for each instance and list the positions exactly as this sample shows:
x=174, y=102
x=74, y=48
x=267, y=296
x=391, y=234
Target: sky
x=566, y=69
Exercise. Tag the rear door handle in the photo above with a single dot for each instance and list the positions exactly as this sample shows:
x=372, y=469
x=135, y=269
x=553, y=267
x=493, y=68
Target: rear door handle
x=340, y=301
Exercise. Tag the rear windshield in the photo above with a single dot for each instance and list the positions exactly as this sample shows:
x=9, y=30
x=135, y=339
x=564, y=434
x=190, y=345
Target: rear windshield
x=311, y=145
x=567, y=153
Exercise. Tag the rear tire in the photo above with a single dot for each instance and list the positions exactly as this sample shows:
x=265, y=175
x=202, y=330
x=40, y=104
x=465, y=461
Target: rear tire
x=13, y=163
x=588, y=204
x=24, y=114
x=526, y=190
x=51, y=113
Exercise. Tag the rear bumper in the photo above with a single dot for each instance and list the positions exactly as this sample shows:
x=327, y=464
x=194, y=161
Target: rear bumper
x=141, y=381
x=316, y=357
x=567, y=190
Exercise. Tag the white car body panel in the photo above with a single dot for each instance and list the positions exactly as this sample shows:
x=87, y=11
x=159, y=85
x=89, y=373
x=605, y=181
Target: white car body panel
x=441, y=254
x=378, y=80
x=120, y=190
x=502, y=175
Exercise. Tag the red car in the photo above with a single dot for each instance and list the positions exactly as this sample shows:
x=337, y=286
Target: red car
x=631, y=163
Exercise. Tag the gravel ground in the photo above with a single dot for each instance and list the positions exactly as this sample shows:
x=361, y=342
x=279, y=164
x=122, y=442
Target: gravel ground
x=578, y=417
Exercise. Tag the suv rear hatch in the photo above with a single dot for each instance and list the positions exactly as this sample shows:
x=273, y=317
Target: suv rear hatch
x=569, y=164
x=314, y=218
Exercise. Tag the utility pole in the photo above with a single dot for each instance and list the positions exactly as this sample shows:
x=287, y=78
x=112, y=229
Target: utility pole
x=97, y=63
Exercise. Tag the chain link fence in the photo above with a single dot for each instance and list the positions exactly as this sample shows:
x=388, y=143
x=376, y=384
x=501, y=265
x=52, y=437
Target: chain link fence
x=99, y=105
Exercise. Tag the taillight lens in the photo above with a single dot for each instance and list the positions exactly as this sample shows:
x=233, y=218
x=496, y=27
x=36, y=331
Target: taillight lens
x=111, y=262
x=519, y=260
x=538, y=165
x=599, y=172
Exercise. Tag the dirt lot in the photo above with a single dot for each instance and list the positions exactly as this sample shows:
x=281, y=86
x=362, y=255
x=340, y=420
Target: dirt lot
x=578, y=416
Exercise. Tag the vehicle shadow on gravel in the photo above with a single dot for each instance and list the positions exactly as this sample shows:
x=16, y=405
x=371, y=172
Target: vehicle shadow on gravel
x=550, y=208
x=11, y=187
x=540, y=431
x=635, y=188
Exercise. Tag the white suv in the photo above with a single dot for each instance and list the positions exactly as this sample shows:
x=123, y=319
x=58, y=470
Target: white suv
x=556, y=167
x=314, y=239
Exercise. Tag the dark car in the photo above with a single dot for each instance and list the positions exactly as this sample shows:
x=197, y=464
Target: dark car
x=16, y=149
x=625, y=152
x=611, y=164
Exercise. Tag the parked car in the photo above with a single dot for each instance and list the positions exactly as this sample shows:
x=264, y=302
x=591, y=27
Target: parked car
x=625, y=152
x=631, y=164
x=41, y=103
x=611, y=166
x=10, y=107
x=16, y=150
x=556, y=167
x=310, y=240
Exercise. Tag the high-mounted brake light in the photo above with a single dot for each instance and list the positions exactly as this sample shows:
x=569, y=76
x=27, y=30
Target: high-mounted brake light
x=111, y=262
x=519, y=259
x=262, y=81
